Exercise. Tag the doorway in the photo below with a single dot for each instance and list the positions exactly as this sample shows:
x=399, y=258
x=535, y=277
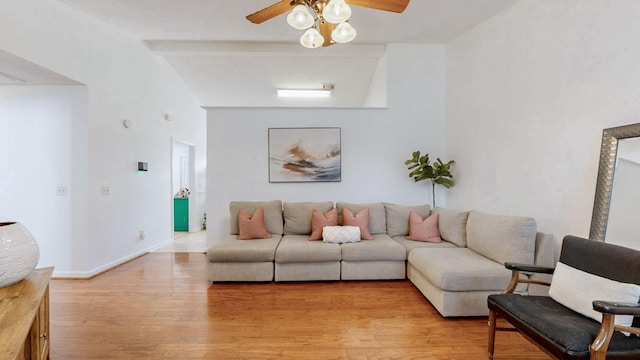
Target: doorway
x=183, y=197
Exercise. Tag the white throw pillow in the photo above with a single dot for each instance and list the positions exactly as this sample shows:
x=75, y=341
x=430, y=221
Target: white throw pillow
x=341, y=234
x=577, y=290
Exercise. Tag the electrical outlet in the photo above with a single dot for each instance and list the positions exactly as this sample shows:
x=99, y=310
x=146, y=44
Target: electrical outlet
x=62, y=190
x=106, y=191
x=142, y=235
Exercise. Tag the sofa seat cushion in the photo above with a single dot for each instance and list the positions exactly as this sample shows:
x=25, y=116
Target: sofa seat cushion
x=230, y=249
x=380, y=248
x=298, y=249
x=459, y=269
x=412, y=244
x=549, y=323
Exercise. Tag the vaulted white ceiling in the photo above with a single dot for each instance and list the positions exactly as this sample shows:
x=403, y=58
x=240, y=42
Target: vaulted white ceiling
x=17, y=71
x=228, y=61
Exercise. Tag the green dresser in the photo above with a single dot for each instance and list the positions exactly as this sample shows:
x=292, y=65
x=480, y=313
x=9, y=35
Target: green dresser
x=180, y=214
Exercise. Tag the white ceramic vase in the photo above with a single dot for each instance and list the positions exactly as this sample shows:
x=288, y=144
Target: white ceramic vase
x=18, y=253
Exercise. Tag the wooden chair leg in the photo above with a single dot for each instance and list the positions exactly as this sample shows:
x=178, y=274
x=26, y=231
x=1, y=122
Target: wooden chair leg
x=598, y=349
x=492, y=333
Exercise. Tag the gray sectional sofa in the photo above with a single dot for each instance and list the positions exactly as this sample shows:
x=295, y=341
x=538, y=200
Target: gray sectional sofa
x=455, y=275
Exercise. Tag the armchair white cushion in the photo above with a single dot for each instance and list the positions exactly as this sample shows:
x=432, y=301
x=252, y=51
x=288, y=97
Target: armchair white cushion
x=577, y=289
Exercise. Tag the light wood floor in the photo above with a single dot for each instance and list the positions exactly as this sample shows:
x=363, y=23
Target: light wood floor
x=161, y=306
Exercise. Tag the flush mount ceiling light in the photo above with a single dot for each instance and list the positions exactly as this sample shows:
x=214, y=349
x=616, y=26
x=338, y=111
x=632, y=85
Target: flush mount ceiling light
x=325, y=21
x=304, y=93
x=323, y=92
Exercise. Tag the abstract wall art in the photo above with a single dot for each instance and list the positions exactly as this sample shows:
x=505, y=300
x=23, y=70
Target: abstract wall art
x=304, y=155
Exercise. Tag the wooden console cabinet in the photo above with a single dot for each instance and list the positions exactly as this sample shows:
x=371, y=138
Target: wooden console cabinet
x=24, y=318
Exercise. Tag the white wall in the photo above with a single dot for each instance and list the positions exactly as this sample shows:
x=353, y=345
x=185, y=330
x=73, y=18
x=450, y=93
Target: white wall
x=375, y=142
x=377, y=92
x=528, y=94
x=43, y=145
x=124, y=80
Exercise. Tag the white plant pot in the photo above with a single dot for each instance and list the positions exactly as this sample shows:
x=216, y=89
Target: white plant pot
x=18, y=253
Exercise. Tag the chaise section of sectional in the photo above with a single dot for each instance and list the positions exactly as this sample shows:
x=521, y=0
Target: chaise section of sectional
x=231, y=259
x=458, y=280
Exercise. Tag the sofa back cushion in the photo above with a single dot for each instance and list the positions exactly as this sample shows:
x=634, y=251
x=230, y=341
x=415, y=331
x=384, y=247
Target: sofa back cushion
x=377, y=217
x=297, y=216
x=452, y=225
x=502, y=238
x=397, y=217
x=272, y=214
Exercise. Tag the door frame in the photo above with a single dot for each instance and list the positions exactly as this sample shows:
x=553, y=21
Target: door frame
x=175, y=180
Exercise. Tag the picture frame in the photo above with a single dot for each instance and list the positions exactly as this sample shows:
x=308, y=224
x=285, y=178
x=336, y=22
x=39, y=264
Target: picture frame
x=311, y=154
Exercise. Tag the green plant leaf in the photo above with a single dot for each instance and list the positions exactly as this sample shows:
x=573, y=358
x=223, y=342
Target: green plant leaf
x=421, y=168
x=448, y=183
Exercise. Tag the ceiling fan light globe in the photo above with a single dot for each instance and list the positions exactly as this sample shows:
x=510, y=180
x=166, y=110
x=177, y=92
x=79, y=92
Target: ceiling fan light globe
x=299, y=18
x=343, y=33
x=337, y=11
x=311, y=39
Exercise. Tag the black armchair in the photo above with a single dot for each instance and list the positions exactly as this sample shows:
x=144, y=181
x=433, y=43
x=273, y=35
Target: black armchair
x=562, y=332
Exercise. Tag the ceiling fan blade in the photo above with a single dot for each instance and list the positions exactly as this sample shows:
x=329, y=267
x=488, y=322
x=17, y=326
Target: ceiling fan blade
x=396, y=6
x=270, y=12
x=326, y=28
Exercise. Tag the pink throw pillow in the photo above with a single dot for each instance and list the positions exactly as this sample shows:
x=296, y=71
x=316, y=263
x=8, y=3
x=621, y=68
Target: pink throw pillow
x=424, y=230
x=360, y=220
x=252, y=227
x=320, y=220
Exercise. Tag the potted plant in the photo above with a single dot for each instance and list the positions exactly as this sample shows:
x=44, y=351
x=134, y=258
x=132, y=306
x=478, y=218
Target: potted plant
x=438, y=172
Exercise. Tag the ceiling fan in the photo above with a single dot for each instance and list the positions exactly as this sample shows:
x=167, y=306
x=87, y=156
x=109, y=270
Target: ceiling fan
x=325, y=21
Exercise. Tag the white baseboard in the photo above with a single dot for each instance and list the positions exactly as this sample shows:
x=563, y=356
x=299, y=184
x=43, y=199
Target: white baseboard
x=108, y=266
